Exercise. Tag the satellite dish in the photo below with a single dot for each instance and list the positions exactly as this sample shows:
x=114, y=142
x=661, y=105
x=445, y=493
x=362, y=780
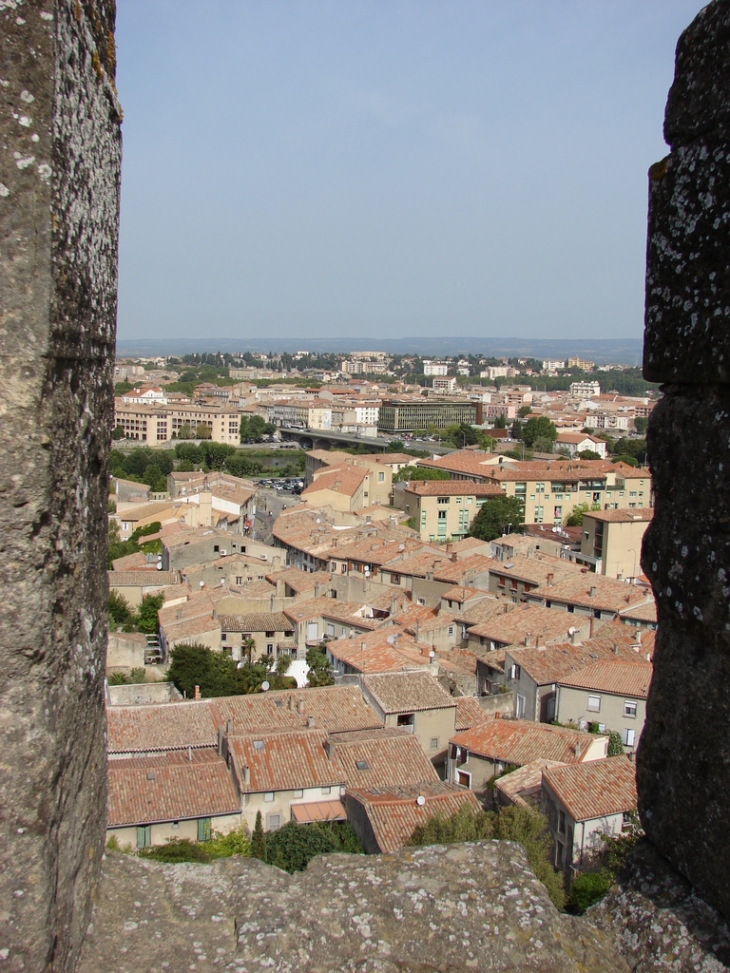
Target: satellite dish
x=202, y=584
x=265, y=686
x=420, y=800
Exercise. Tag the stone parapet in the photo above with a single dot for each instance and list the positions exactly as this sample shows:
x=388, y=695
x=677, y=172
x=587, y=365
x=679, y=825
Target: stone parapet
x=683, y=761
x=60, y=148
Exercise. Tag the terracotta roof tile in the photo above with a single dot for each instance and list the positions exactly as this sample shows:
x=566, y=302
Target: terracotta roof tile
x=469, y=713
x=520, y=741
x=394, y=814
x=595, y=789
x=407, y=692
x=613, y=676
x=522, y=787
x=169, y=787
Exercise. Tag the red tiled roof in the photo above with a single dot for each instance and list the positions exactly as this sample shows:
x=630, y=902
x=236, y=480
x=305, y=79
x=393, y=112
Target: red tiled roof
x=613, y=676
x=595, y=789
x=407, y=692
x=169, y=787
x=394, y=812
x=520, y=741
x=282, y=761
x=522, y=787
x=469, y=713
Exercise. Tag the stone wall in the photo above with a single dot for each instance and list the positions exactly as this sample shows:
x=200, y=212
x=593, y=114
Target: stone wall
x=60, y=151
x=684, y=756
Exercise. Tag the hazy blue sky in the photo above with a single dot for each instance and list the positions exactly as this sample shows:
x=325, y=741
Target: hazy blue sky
x=389, y=167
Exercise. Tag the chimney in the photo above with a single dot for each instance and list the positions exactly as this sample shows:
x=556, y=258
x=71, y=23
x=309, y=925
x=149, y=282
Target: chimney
x=329, y=749
x=246, y=775
x=363, y=646
x=197, y=693
x=528, y=638
x=592, y=592
x=550, y=578
x=615, y=648
x=454, y=557
x=310, y=722
x=290, y=702
x=300, y=705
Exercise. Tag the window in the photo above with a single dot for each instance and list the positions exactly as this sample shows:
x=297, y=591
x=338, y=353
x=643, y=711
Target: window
x=559, y=854
x=629, y=709
x=203, y=829
x=451, y=629
x=514, y=672
x=239, y=580
x=326, y=790
x=381, y=477
x=561, y=822
x=627, y=737
x=273, y=821
x=269, y=648
x=443, y=500
x=463, y=778
x=442, y=514
x=434, y=744
x=299, y=793
x=269, y=635
x=269, y=797
x=144, y=838
x=594, y=704
x=395, y=579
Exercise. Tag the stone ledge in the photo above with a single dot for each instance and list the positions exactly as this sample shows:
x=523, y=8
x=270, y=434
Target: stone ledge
x=441, y=908
x=659, y=922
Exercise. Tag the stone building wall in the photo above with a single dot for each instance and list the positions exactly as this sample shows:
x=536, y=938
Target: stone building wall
x=60, y=149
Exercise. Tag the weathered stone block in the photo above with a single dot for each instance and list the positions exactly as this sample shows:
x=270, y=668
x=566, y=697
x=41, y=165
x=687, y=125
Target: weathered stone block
x=683, y=763
x=421, y=910
x=687, y=336
x=59, y=188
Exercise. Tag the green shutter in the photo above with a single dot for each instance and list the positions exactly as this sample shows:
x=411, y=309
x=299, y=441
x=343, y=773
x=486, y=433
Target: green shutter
x=144, y=837
x=203, y=829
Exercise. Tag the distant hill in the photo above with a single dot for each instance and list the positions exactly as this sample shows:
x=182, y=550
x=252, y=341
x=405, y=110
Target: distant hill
x=624, y=351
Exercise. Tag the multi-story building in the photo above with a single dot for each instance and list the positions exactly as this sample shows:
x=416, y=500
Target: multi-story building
x=552, y=365
x=551, y=490
x=406, y=415
x=612, y=540
x=584, y=390
x=153, y=424
x=444, y=385
x=442, y=509
x=582, y=363
x=435, y=368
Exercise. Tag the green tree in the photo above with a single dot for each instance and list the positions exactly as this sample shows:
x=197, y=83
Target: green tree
x=539, y=428
x=295, y=845
x=119, y=610
x=588, y=454
x=253, y=428
x=151, y=604
x=185, y=431
x=202, y=431
x=258, y=839
x=615, y=744
x=496, y=517
x=320, y=672
x=640, y=424
x=524, y=410
x=467, y=824
x=420, y=473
